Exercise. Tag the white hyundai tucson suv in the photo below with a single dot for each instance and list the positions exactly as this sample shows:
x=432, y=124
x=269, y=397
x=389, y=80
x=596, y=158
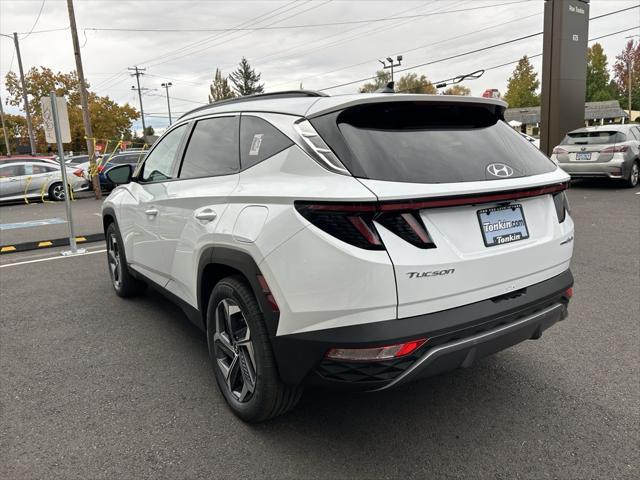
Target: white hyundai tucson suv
x=358, y=241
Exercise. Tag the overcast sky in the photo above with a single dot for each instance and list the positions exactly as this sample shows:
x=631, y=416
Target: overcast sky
x=316, y=57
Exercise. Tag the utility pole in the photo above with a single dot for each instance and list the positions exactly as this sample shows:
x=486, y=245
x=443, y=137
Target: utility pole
x=166, y=87
x=630, y=72
x=86, y=119
x=138, y=73
x=32, y=140
x=4, y=129
x=391, y=64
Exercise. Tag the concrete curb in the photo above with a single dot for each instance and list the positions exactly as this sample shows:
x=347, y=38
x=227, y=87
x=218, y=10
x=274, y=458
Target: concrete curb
x=57, y=242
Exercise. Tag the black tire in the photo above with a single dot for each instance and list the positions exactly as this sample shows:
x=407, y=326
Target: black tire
x=634, y=175
x=56, y=192
x=122, y=281
x=253, y=391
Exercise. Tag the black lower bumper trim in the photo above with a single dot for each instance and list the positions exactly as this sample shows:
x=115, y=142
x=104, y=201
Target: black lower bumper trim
x=300, y=356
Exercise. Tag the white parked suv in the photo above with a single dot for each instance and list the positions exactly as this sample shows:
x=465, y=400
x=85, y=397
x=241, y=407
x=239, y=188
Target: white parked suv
x=357, y=241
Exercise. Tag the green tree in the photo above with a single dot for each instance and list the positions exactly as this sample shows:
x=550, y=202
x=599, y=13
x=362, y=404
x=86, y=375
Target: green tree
x=245, y=79
x=522, y=86
x=109, y=119
x=382, y=78
x=411, y=83
x=598, y=80
x=16, y=129
x=630, y=55
x=457, y=90
x=219, y=88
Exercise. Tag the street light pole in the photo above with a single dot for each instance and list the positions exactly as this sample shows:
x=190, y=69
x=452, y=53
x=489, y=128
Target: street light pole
x=391, y=64
x=32, y=140
x=166, y=87
x=630, y=72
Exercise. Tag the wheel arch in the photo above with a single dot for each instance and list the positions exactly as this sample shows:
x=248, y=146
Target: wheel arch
x=217, y=263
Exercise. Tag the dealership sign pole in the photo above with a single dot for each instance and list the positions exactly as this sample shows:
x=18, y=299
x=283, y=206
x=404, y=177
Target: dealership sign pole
x=56, y=130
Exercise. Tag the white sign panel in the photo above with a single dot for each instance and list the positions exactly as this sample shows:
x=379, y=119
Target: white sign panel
x=63, y=118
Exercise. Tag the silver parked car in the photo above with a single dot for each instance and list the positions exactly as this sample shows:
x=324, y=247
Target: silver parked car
x=32, y=179
x=608, y=151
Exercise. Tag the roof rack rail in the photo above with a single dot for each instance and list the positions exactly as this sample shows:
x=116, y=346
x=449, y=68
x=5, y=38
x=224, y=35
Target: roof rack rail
x=259, y=96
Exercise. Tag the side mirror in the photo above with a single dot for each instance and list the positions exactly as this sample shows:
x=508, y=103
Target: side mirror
x=120, y=174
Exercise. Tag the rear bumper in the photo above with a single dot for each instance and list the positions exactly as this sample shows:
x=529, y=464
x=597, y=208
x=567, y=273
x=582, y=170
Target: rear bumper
x=456, y=338
x=613, y=169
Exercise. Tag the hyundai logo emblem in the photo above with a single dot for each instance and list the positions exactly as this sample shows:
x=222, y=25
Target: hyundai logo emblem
x=500, y=170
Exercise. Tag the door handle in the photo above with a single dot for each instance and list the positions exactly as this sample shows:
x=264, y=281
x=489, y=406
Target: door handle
x=152, y=212
x=206, y=215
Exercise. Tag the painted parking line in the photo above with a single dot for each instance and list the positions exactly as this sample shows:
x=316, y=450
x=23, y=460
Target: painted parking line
x=32, y=223
x=57, y=257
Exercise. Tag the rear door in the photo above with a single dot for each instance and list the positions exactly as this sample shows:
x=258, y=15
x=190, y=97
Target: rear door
x=196, y=201
x=443, y=175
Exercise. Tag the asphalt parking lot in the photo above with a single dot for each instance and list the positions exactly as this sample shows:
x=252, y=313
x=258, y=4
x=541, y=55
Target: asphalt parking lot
x=93, y=386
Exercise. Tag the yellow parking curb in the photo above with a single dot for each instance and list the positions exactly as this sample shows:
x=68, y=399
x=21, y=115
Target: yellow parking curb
x=10, y=248
x=44, y=244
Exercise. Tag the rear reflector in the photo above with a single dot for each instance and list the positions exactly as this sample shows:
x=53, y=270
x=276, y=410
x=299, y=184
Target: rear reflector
x=375, y=353
x=569, y=292
x=267, y=293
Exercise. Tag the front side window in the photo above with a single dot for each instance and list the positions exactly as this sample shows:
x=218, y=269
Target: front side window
x=259, y=140
x=159, y=163
x=212, y=149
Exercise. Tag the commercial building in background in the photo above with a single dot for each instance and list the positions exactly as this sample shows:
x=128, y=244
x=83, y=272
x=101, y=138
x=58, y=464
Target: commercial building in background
x=595, y=113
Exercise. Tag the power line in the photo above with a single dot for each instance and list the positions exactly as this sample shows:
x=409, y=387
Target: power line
x=245, y=34
x=404, y=51
x=451, y=57
x=289, y=27
x=36, y=22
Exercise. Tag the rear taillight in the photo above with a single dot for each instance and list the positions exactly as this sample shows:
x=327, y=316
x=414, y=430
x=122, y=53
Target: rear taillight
x=615, y=149
x=375, y=353
x=559, y=151
x=350, y=222
x=354, y=223
x=562, y=206
x=79, y=173
x=408, y=226
x=100, y=168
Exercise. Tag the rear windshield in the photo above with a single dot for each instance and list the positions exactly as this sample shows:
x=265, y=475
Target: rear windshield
x=594, y=138
x=428, y=142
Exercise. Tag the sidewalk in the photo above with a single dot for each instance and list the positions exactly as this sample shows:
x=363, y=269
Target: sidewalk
x=35, y=222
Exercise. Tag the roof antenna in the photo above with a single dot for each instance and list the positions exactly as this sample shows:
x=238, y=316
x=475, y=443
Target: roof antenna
x=388, y=88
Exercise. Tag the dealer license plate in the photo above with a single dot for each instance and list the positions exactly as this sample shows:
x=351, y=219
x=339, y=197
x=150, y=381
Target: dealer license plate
x=501, y=225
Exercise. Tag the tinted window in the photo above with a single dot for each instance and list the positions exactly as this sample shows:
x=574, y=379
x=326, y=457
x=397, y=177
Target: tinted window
x=12, y=171
x=158, y=165
x=259, y=140
x=594, y=138
x=212, y=149
x=636, y=132
x=428, y=142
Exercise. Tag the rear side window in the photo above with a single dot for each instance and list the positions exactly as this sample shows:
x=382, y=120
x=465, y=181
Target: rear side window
x=428, y=142
x=594, y=138
x=12, y=171
x=259, y=140
x=212, y=149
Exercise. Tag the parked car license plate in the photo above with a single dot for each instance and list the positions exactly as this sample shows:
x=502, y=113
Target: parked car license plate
x=583, y=156
x=501, y=225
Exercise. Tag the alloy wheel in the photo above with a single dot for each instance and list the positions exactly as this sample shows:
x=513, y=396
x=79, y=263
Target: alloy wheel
x=58, y=192
x=115, y=265
x=234, y=352
x=635, y=174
